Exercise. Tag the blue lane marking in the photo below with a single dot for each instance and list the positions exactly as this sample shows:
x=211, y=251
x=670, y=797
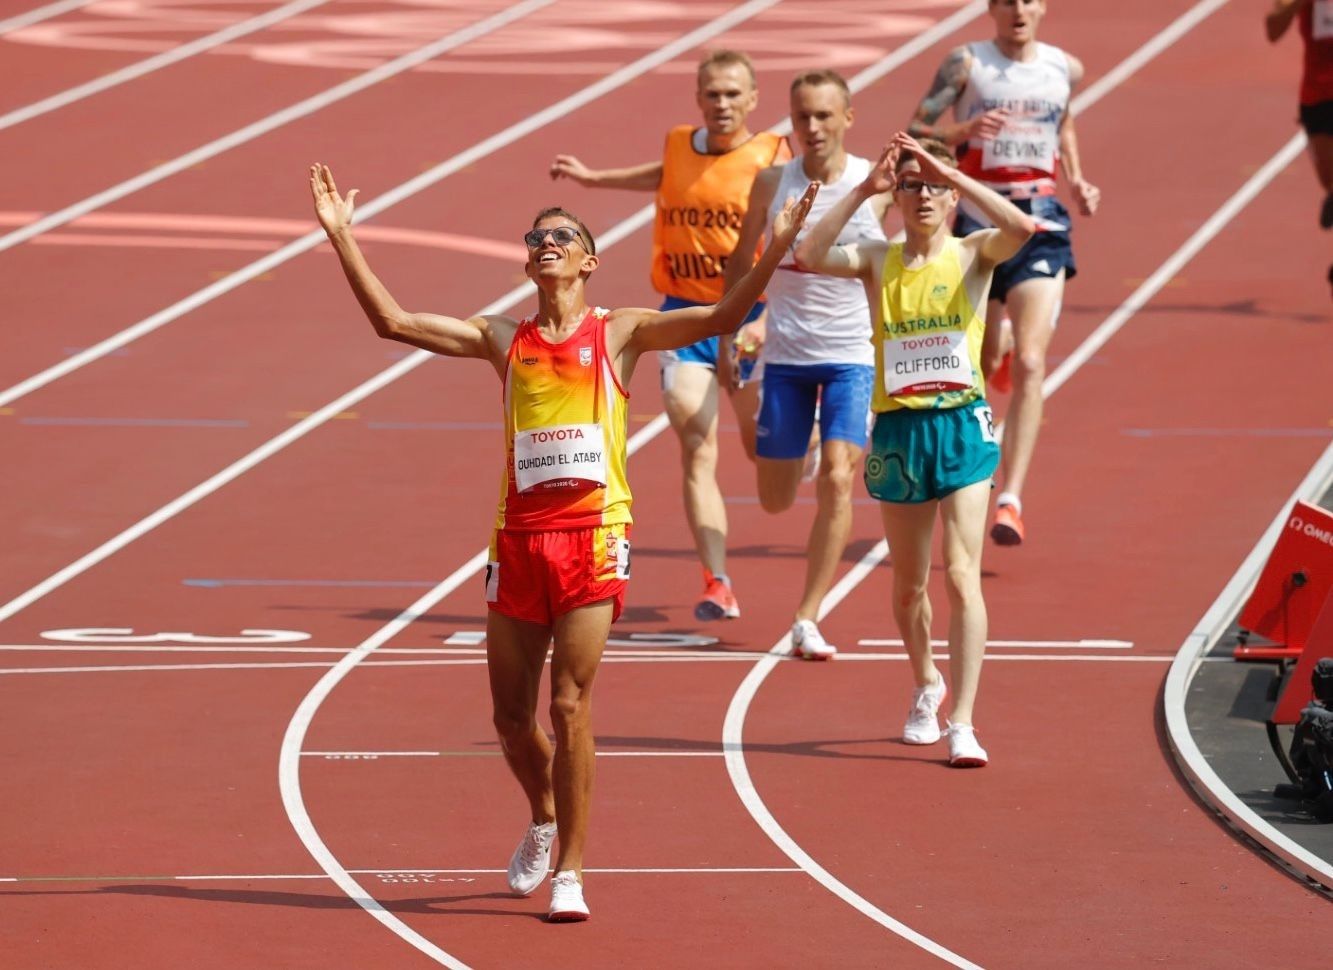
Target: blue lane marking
x=211, y=583
x=1228, y=432
x=140, y=422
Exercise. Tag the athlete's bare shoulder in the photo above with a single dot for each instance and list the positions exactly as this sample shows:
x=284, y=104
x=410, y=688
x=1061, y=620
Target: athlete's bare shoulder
x=1075, y=68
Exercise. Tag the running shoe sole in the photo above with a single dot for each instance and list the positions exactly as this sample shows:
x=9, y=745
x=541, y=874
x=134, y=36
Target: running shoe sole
x=567, y=916
x=968, y=763
x=1004, y=535
x=707, y=610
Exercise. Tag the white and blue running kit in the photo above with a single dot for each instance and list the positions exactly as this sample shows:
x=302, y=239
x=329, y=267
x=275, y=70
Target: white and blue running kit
x=1020, y=162
x=817, y=355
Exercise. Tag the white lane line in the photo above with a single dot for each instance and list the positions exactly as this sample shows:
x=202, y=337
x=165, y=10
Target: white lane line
x=274, y=121
x=372, y=755
x=1028, y=644
x=1206, y=782
x=156, y=63
x=738, y=657
x=1191, y=248
x=270, y=876
x=733, y=744
x=40, y=14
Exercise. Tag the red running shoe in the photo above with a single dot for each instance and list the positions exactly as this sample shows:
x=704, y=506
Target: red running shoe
x=718, y=601
x=1008, y=527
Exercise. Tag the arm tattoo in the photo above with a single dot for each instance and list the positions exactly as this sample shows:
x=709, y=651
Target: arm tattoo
x=944, y=91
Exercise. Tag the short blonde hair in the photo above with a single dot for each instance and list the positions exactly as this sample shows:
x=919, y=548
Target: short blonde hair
x=726, y=58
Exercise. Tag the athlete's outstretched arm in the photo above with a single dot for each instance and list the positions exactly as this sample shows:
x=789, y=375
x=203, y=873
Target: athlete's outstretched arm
x=1087, y=196
x=644, y=178
x=1280, y=16
x=817, y=251
x=475, y=337
x=641, y=329
x=945, y=90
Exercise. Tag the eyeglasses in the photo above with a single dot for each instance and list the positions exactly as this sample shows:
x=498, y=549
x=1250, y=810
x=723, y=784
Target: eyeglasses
x=563, y=236
x=916, y=187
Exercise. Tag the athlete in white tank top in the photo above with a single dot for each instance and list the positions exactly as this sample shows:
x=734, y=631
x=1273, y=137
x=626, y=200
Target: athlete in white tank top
x=812, y=318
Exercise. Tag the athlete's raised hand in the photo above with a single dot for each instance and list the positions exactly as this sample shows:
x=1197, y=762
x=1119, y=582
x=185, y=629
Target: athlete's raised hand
x=334, y=212
x=932, y=169
x=881, y=177
x=569, y=167
x=788, y=222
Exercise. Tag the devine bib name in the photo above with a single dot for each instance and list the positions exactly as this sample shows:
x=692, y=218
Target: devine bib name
x=562, y=456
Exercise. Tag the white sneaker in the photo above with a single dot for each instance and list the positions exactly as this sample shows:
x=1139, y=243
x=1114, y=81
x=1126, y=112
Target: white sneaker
x=964, y=751
x=808, y=643
x=923, y=725
x=528, y=865
x=567, y=905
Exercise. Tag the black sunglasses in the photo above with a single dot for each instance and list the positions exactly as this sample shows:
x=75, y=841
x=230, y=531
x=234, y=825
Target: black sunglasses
x=563, y=236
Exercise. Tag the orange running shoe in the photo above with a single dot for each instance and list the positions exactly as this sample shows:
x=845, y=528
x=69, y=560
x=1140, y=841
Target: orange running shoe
x=1008, y=527
x=1002, y=381
x=718, y=601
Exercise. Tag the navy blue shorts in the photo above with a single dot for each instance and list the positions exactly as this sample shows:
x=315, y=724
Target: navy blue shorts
x=704, y=352
x=789, y=397
x=1042, y=257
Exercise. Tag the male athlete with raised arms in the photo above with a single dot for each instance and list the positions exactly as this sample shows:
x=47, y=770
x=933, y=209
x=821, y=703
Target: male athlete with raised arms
x=560, y=548
x=701, y=182
x=932, y=451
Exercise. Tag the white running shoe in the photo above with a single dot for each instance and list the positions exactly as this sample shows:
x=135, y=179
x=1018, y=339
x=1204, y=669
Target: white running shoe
x=528, y=865
x=808, y=643
x=923, y=725
x=567, y=905
x=964, y=751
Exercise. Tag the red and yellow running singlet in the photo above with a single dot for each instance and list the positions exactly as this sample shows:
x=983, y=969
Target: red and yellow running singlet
x=565, y=414
x=701, y=202
x=1317, y=33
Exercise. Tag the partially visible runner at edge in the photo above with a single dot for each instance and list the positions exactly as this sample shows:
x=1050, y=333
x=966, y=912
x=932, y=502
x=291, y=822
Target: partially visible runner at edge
x=559, y=554
x=932, y=451
x=816, y=356
x=1012, y=124
x=1316, y=97
x=701, y=182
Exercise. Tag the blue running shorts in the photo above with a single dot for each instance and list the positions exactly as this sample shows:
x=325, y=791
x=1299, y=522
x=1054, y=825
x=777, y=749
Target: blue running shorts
x=788, y=400
x=703, y=352
x=921, y=455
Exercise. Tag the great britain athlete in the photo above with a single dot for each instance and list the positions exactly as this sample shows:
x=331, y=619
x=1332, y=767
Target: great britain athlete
x=702, y=182
x=559, y=553
x=1012, y=128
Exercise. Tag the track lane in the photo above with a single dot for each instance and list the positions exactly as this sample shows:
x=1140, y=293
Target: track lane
x=988, y=674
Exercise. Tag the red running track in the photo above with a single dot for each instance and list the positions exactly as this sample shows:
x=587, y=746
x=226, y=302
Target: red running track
x=145, y=818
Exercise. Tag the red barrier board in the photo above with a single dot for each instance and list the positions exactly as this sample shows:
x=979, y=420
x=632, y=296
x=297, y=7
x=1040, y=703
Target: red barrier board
x=1293, y=586
x=1298, y=692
